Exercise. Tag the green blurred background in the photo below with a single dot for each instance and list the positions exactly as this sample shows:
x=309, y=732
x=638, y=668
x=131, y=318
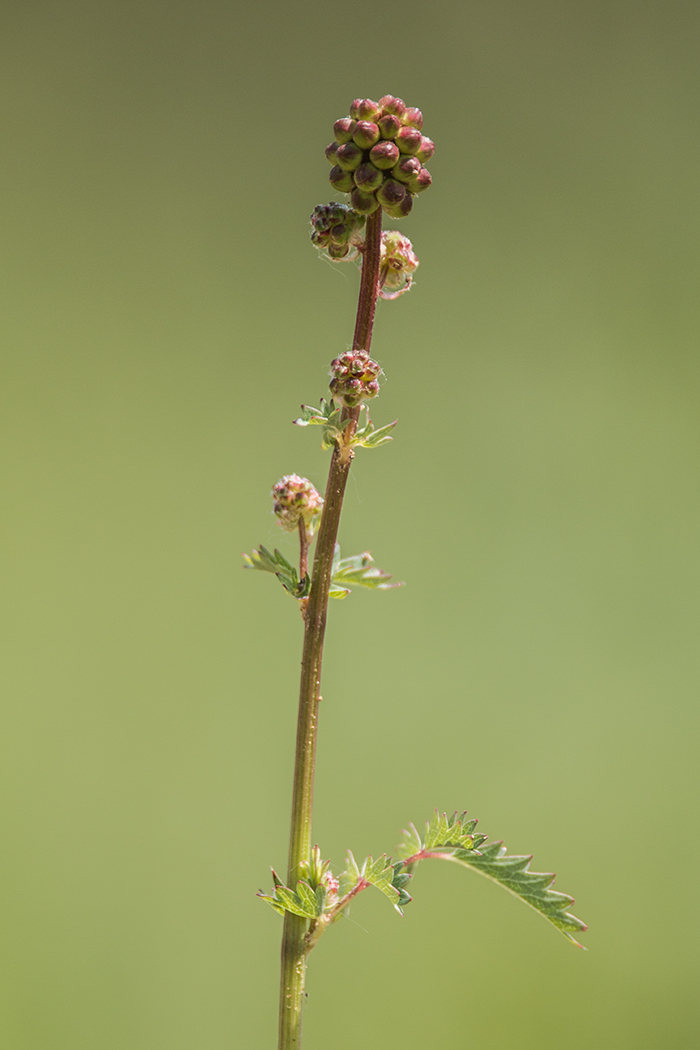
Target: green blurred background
x=164, y=316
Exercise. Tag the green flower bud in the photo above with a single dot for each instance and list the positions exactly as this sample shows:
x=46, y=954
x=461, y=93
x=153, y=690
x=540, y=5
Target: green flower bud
x=349, y=156
x=390, y=104
x=341, y=180
x=365, y=203
x=331, y=150
x=338, y=251
x=366, y=134
x=421, y=182
x=406, y=169
x=344, y=129
x=336, y=229
x=389, y=126
x=426, y=149
x=354, y=378
x=294, y=498
x=384, y=155
x=390, y=193
x=368, y=178
x=413, y=117
x=408, y=140
x=365, y=109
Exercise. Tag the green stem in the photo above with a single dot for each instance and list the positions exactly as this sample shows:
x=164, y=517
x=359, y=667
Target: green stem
x=294, y=945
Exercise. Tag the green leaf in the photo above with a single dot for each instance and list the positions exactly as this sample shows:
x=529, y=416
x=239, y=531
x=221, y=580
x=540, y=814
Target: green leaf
x=327, y=416
x=379, y=873
x=304, y=901
x=277, y=564
x=360, y=571
x=368, y=437
x=454, y=839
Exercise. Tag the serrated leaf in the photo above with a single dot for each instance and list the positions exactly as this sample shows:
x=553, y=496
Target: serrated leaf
x=360, y=571
x=303, y=901
x=454, y=839
x=371, y=438
x=277, y=564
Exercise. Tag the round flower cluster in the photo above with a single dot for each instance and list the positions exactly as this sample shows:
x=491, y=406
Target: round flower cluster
x=336, y=229
x=296, y=498
x=378, y=156
x=354, y=378
x=397, y=261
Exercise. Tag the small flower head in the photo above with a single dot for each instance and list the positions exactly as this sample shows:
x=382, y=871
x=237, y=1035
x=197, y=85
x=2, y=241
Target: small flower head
x=295, y=498
x=377, y=155
x=354, y=378
x=397, y=263
x=338, y=230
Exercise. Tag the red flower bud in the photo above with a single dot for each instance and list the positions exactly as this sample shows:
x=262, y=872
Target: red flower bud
x=408, y=140
x=384, y=155
x=390, y=193
x=344, y=129
x=421, y=182
x=365, y=109
x=331, y=150
x=365, y=203
x=413, y=117
x=366, y=134
x=368, y=178
x=390, y=104
x=341, y=180
x=349, y=156
x=389, y=126
x=406, y=169
x=426, y=149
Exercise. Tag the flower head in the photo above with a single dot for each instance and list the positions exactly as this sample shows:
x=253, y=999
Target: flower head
x=378, y=153
x=397, y=261
x=295, y=498
x=354, y=378
x=338, y=230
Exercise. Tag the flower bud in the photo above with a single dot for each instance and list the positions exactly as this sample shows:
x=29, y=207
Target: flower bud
x=349, y=156
x=389, y=126
x=421, y=181
x=354, y=378
x=408, y=140
x=413, y=117
x=338, y=251
x=341, y=180
x=365, y=203
x=400, y=210
x=384, y=155
x=390, y=104
x=368, y=178
x=295, y=498
x=331, y=150
x=344, y=129
x=336, y=228
x=406, y=169
x=365, y=109
x=390, y=193
x=426, y=149
x=366, y=134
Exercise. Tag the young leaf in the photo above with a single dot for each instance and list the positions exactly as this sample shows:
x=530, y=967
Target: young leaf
x=303, y=902
x=368, y=437
x=454, y=839
x=278, y=565
x=380, y=873
x=358, y=571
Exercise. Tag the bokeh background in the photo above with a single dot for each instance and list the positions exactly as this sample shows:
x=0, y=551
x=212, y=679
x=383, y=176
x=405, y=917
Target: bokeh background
x=164, y=316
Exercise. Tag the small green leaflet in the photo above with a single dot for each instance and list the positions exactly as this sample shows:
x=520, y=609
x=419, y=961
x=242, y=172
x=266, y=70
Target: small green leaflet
x=304, y=901
x=381, y=873
x=453, y=839
x=357, y=571
x=277, y=564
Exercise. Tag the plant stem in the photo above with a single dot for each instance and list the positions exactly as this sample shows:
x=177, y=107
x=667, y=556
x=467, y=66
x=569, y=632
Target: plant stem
x=294, y=946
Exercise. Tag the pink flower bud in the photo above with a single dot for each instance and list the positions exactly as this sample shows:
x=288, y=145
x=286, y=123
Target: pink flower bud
x=413, y=117
x=426, y=149
x=344, y=129
x=349, y=156
x=408, y=140
x=400, y=210
x=295, y=498
x=389, y=126
x=366, y=134
x=406, y=169
x=390, y=193
x=390, y=104
x=365, y=203
x=365, y=109
x=331, y=151
x=421, y=181
x=384, y=155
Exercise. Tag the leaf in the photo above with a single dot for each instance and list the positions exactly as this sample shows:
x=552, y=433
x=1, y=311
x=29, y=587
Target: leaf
x=277, y=564
x=454, y=839
x=304, y=901
x=328, y=416
x=359, y=571
x=380, y=873
x=368, y=437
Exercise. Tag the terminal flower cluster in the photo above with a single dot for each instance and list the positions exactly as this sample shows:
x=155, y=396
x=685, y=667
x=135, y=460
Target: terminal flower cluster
x=378, y=155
